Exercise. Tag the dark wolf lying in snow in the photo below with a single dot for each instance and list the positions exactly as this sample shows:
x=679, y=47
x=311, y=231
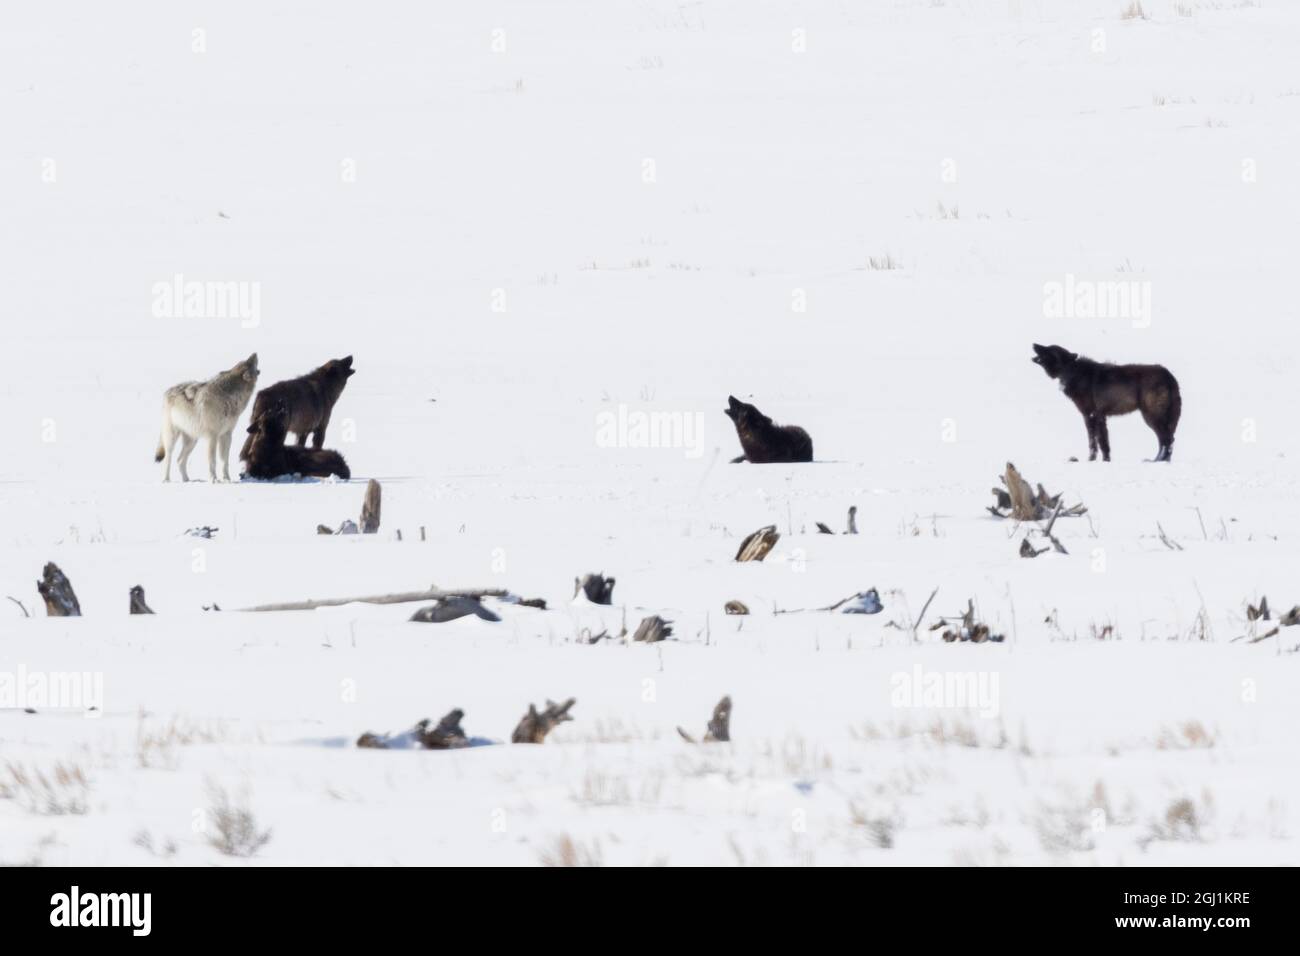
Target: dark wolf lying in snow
x=763, y=441
x=269, y=457
x=308, y=398
x=1099, y=389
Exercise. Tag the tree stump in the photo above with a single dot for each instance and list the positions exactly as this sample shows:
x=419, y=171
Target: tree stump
x=719, y=729
x=370, y=508
x=138, y=605
x=720, y=726
x=735, y=607
x=56, y=589
x=534, y=726
x=652, y=630
x=757, y=546
x=598, y=588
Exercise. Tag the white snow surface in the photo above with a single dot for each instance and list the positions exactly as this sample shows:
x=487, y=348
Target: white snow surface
x=519, y=217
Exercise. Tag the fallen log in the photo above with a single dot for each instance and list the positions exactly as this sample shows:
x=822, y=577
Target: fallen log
x=55, y=588
x=401, y=597
x=533, y=726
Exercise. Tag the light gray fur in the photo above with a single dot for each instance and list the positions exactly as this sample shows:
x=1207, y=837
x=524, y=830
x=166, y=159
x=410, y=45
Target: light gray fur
x=208, y=410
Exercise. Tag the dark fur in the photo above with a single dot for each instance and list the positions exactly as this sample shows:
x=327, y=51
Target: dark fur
x=1100, y=390
x=763, y=441
x=269, y=457
x=309, y=400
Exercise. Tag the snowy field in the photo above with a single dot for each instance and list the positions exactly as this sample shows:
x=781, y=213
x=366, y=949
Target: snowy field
x=530, y=223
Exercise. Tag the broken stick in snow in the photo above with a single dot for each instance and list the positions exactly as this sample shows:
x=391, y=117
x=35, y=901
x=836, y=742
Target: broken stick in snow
x=56, y=589
x=138, y=605
x=719, y=729
x=370, y=508
x=758, y=545
x=533, y=726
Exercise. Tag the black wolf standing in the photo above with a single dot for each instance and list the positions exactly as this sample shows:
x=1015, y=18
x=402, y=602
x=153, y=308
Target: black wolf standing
x=1099, y=389
x=309, y=400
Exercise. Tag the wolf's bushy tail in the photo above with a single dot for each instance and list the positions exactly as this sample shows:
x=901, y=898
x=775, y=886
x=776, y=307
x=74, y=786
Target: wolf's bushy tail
x=161, y=453
x=1175, y=405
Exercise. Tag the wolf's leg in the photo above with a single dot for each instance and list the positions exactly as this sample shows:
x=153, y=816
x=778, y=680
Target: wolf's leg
x=1091, y=424
x=318, y=436
x=224, y=452
x=188, y=442
x=213, y=441
x=168, y=442
x=1103, y=437
x=300, y=439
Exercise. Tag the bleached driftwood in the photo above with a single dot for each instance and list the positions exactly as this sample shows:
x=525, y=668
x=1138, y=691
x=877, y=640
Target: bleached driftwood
x=1017, y=500
x=758, y=545
x=533, y=726
x=55, y=588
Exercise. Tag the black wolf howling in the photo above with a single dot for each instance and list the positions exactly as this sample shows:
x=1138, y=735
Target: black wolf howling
x=1099, y=390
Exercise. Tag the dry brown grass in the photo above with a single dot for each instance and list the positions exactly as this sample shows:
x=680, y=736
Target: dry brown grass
x=566, y=851
x=61, y=790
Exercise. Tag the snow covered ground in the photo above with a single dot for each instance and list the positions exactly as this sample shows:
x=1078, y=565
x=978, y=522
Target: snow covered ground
x=530, y=223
